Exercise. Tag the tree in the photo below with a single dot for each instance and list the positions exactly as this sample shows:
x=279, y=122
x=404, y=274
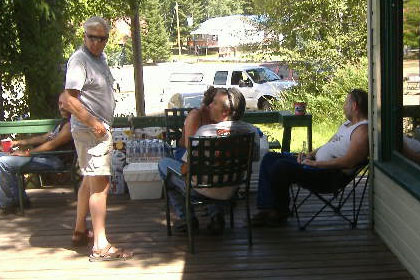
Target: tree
x=411, y=23
x=155, y=38
x=10, y=68
x=219, y=8
x=318, y=39
x=187, y=9
x=315, y=37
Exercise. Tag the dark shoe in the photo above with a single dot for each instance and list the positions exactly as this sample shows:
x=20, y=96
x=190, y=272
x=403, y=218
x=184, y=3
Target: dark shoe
x=216, y=225
x=14, y=208
x=10, y=209
x=181, y=226
x=269, y=219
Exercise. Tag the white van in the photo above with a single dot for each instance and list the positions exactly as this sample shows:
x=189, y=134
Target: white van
x=258, y=84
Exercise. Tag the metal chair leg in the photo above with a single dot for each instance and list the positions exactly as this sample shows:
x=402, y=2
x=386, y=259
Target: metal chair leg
x=168, y=213
x=189, y=223
x=21, y=190
x=248, y=217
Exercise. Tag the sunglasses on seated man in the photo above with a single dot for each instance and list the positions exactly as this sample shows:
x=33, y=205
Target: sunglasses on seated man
x=95, y=38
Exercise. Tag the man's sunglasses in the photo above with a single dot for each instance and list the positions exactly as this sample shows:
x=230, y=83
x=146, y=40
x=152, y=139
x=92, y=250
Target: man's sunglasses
x=95, y=38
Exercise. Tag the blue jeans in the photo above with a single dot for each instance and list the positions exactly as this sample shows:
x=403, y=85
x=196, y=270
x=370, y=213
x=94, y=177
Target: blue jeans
x=9, y=165
x=279, y=170
x=177, y=190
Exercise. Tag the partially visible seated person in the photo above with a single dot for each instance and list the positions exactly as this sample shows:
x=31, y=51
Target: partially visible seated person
x=331, y=164
x=60, y=137
x=195, y=119
x=411, y=148
x=226, y=111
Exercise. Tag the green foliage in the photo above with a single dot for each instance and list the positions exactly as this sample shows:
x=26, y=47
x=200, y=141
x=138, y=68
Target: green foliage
x=186, y=9
x=411, y=23
x=326, y=104
x=316, y=37
x=155, y=41
x=219, y=8
x=10, y=68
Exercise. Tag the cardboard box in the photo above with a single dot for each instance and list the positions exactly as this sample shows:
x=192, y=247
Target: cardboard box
x=143, y=180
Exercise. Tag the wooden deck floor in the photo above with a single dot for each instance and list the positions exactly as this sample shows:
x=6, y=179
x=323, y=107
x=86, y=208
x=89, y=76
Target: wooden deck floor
x=37, y=246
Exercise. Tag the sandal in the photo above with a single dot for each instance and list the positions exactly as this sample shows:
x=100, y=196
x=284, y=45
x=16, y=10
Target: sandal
x=80, y=239
x=99, y=255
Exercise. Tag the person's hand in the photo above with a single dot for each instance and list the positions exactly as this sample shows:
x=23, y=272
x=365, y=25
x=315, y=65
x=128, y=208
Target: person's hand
x=301, y=157
x=15, y=143
x=309, y=162
x=99, y=130
x=20, y=153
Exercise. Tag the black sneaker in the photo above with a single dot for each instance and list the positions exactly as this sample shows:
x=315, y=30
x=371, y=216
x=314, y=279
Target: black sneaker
x=216, y=225
x=181, y=226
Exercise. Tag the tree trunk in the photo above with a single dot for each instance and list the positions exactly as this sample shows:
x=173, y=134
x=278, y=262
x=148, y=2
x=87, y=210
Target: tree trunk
x=137, y=59
x=1, y=100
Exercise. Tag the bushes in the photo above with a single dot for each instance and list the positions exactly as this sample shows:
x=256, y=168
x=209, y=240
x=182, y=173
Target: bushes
x=325, y=96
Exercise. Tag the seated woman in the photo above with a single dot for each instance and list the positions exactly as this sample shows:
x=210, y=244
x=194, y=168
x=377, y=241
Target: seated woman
x=195, y=119
x=60, y=137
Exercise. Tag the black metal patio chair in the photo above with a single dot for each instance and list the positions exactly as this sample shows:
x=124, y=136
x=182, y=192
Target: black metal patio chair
x=215, y=162
x=174, y=119
x=335, y=198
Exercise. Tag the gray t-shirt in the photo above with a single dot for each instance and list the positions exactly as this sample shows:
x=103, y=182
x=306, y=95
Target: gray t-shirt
x=91, y=76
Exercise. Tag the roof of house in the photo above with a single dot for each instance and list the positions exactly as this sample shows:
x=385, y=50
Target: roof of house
x=232, y=30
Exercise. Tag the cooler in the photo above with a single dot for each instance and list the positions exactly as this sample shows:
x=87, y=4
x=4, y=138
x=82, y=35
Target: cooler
x=143, y=180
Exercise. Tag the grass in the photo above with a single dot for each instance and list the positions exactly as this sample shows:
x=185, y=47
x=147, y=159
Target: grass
x=321, y=133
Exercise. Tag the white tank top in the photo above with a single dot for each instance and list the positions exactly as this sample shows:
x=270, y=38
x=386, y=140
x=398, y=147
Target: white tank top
x=339, y=144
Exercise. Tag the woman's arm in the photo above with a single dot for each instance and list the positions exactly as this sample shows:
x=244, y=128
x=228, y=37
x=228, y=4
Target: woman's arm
x=191, y=125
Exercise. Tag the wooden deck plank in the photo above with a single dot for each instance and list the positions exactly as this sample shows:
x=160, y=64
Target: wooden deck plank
x=37, y=246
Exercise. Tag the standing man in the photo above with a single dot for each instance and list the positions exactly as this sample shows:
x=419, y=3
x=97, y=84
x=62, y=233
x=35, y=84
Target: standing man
x=89, y=97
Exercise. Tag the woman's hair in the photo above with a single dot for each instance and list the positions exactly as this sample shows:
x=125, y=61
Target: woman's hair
x=209, y=95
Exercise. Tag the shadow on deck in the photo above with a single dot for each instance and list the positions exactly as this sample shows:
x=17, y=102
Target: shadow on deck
x=38, y=246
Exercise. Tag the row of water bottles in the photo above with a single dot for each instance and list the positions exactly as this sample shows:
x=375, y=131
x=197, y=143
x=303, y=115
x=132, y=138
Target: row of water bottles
x=141, y=150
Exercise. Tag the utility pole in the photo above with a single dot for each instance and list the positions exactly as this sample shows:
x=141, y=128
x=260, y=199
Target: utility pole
x=177, y=27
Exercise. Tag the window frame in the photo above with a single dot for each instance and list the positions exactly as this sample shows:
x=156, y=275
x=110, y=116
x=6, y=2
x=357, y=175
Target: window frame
x=390, y=101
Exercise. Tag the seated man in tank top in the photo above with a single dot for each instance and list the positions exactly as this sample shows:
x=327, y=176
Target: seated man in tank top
x=323, y=168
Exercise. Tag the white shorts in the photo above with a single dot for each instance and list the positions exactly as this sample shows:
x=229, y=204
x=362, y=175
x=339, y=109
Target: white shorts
x=94, y=155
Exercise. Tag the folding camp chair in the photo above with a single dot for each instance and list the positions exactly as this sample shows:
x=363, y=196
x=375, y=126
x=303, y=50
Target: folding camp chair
x=215, y=162
x=336, y=198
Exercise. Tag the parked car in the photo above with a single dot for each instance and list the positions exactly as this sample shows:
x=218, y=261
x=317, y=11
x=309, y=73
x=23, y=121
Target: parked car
x=258, y=84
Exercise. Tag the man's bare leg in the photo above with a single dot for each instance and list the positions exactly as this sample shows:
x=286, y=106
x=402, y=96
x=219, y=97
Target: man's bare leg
x=82, y=206
x=98, y=186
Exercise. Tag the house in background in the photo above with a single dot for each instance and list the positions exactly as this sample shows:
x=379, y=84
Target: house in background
x=225, y=34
